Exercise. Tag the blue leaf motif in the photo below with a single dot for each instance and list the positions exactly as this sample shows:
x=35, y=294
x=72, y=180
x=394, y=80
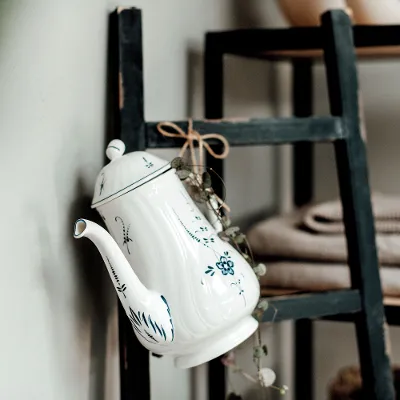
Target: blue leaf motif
x=138, y=317
x=210, y=270
x=152, y=325
x=170, y=316
x=158, y=328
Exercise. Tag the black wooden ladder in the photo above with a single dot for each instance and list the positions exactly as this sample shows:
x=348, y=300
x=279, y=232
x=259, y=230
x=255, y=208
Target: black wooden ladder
x=335, y=37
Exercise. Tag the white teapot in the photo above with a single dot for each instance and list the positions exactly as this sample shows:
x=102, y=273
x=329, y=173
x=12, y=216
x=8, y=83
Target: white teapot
x=188, y=293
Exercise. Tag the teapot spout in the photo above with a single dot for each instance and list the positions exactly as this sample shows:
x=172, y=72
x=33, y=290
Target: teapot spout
x=148, y=310
x=118, y=267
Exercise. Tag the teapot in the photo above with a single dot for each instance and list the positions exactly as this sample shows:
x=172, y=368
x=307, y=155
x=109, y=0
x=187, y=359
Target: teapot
x=188, y=293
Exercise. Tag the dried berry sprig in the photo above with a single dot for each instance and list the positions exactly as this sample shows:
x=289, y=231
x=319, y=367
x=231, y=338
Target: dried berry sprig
x=201, y=191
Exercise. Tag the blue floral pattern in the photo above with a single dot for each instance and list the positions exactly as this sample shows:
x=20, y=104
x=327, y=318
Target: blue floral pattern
x=149, y=164
x=238, y=285
x=125, y=233
x=102, y=183
x=148, y=328
x=225, y=265
x=227, y=268
x=121, y=287
x=198, y=234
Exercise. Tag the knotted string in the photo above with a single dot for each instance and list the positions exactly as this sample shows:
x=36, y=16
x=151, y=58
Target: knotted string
x=192, y=136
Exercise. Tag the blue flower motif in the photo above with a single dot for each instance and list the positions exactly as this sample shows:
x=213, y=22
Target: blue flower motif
x=225, y=265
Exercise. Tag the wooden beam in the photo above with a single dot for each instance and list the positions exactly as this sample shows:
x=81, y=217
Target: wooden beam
x=312, y=305
x=261, y=42
x=129, y=126
x=252, y=132
x=130, y=78
x=214, y=108
x=303, y=189
x=351, y=160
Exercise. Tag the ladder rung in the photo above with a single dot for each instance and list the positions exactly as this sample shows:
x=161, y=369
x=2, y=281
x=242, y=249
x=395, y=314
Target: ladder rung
x=312, y=305
x=253, y=132
x=253, y=41
x=248, y=40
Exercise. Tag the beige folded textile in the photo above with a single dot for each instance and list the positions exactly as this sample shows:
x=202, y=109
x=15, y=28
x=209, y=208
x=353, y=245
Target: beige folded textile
x=328, y=217
x=281, y=237
x=320, y=277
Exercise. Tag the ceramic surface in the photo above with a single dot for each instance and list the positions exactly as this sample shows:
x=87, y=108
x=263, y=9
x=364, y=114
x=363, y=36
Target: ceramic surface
x=188, y=293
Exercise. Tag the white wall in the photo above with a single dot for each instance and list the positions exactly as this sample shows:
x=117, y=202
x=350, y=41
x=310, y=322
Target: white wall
x=52, y=96
x=56, y=301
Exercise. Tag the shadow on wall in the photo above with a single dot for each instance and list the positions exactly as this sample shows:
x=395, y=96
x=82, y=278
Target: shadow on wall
x=88, y=284
x=93, y=293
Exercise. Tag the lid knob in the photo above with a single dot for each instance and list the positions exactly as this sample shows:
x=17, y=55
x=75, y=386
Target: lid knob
x=115, y=149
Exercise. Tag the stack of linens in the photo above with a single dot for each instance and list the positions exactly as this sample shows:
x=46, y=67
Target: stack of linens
x=307, y=249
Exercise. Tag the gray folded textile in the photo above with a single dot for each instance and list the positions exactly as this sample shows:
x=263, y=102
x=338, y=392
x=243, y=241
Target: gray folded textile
x=322, y=276
x=283, y=237
x=328, y=217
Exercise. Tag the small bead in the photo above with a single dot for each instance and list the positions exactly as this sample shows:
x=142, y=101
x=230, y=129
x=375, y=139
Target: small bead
x=258, y=352
x=263, y=305
x=267, y=376
x=232, y=231
x=260, y=269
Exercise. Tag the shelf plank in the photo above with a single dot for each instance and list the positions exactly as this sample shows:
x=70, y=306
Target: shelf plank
x=246, y=132
x=367, y=53
x=277, y=295
x=282, y=43
x=312, y=305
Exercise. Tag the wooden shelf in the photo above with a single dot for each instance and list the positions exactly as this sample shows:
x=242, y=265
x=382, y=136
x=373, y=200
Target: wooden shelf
x=250, y=132
x=362, y=53
x=372, y=41
x=288, y=304
x=311, y=305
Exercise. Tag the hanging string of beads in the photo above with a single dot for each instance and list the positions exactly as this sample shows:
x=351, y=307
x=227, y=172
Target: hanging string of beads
x=199, y=183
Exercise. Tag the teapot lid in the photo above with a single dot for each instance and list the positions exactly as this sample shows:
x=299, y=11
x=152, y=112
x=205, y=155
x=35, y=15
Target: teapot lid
x=125, y=173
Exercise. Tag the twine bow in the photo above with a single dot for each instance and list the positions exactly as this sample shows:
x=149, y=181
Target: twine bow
x=192, y=136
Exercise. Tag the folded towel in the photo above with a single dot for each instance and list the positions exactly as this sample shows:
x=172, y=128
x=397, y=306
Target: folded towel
x=328, y=217
x=282, y=237
x=320, y=277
